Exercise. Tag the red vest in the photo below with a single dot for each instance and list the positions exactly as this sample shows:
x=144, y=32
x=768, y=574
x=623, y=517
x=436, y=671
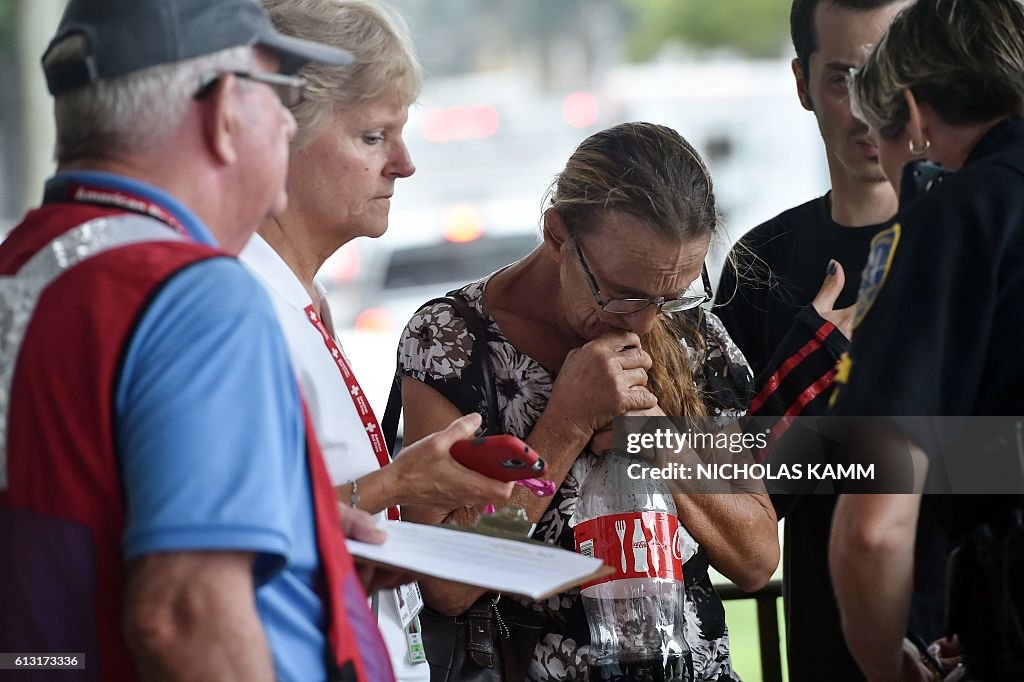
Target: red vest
x=62, y=513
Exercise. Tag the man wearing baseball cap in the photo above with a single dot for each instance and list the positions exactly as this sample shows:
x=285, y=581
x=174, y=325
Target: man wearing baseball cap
x=164, y=510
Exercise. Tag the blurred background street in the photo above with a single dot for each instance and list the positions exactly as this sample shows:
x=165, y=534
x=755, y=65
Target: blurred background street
x=511, y=89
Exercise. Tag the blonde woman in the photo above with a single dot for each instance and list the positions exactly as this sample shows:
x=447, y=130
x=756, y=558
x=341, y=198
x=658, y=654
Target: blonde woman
x=346, y=158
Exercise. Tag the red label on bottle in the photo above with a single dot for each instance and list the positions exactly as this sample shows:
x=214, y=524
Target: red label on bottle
x=636, y=545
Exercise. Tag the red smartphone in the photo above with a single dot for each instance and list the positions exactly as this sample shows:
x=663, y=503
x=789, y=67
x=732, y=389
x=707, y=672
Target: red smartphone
x=504, y=458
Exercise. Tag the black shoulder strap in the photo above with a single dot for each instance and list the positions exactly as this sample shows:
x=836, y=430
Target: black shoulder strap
x=477, y=327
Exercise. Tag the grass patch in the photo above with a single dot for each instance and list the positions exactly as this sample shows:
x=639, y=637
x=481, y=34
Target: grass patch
x=741, y=616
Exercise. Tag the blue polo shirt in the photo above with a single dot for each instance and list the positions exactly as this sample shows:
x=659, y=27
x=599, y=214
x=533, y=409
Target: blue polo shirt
x=211, y=438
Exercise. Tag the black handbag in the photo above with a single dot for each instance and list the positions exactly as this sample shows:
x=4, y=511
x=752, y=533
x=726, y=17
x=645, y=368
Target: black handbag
x=487, y=643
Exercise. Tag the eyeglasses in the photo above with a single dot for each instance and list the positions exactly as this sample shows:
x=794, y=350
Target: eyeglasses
x=288, y=89
x=628, y=306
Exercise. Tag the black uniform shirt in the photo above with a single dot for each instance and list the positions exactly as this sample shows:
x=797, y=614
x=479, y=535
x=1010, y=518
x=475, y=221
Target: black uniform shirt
x=941, y=328
x=782, y=264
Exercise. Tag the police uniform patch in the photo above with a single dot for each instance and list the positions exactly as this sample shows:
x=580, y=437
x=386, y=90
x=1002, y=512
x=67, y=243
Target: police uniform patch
x=842, y=378
x=883, y=249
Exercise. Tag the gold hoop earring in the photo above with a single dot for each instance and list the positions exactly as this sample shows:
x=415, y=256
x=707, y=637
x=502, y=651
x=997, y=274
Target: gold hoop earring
x=922, y=151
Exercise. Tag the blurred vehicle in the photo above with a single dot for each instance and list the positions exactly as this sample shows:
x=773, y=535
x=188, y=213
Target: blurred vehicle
x=378, y=287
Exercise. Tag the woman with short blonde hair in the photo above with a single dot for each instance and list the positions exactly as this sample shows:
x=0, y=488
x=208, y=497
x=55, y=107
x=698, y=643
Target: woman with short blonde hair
x=385, y=60
x=346, y=157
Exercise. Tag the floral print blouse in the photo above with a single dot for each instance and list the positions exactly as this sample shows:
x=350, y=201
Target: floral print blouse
x=436, y=348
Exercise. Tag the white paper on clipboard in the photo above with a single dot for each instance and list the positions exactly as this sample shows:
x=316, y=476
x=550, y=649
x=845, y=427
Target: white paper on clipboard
x=508, y=566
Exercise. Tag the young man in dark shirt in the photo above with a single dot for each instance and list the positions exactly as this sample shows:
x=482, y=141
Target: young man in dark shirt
x=790, y=254
x=780, y=267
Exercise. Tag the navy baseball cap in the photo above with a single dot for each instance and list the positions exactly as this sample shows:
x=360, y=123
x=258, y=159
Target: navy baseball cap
x=122, y=36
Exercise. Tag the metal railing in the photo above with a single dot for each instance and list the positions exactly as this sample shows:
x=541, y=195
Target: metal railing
x=767, y=624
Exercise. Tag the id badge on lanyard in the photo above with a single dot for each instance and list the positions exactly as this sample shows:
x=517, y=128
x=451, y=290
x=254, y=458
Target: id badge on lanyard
x=408, y=604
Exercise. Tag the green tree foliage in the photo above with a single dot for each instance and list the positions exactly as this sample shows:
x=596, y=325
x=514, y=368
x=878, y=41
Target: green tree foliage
x=756, y=28
x=6, y=20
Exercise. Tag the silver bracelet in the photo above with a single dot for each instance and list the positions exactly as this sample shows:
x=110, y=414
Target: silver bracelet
x=354, y=499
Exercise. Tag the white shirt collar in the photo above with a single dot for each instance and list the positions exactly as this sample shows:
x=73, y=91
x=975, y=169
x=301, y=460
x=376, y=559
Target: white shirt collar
x=271, y=268
x=268, y=265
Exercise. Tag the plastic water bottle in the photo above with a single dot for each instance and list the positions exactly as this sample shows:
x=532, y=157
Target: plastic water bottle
x=635, y=614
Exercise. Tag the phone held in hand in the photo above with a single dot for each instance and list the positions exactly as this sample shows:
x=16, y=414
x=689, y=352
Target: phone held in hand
x=503, y=458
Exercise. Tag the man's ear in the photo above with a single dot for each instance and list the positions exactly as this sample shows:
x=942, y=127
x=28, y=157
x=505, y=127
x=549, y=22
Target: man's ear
x=555, y=233
x=220, y=117
x=801, y=85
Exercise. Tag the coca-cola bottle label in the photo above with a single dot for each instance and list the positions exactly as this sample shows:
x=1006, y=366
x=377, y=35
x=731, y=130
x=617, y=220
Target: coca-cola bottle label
x=636, y=544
